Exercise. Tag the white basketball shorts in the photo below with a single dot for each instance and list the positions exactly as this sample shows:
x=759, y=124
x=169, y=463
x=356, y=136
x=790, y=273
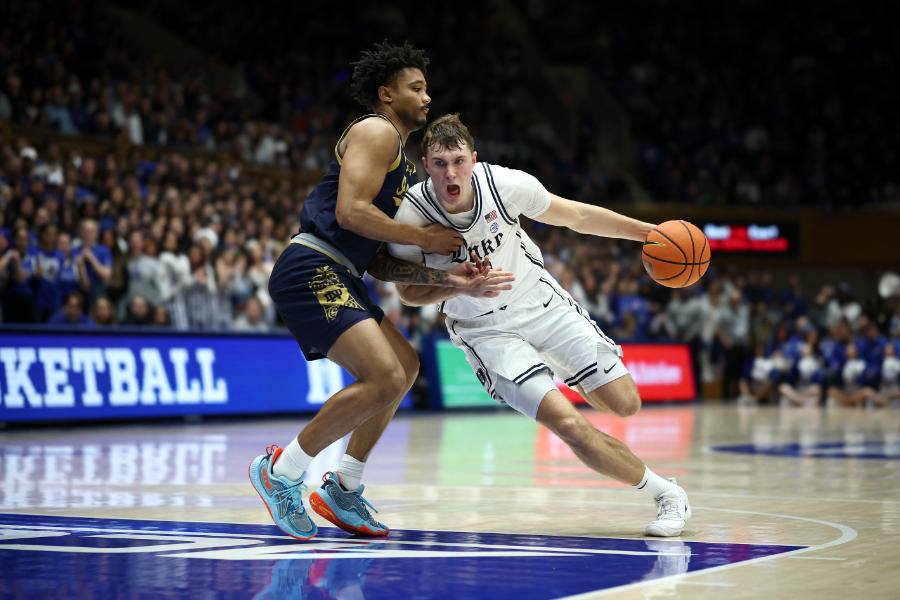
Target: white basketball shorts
x=544, y=329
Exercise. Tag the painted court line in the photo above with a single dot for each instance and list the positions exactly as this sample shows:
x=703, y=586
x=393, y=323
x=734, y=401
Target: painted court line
x=691, y=492
x=318, y=545
x=847, y=534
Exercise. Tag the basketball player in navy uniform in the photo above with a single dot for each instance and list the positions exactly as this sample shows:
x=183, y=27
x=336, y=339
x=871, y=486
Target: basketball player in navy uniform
x=317, y=288
x=515, y=341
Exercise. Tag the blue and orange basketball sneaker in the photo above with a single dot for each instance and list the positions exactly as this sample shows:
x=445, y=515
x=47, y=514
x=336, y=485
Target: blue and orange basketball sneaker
x=283, y=497
x=346, y=509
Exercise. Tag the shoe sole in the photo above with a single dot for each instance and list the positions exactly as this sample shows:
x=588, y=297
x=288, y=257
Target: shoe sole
x=319, y=505
x=256, y=485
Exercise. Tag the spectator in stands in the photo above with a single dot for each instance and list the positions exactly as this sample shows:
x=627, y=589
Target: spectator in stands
x=18, y=300
x=251, y=319
x=200, y=304
x=160, y=317
x=117, y=284
x=174, y=266
x=47, y=262
x=889, y=384
x=103, y=313
x=138, y=311
x=792, y=300
x=97, y=260
x=682, y=322
x=230, y=276
x=843, y=306
x=68, y=269
x=72, y=312
x=144, y=271
x=756, y=383
x=803, y=385
x=854, y=387
x=818, y=311
x=258, y=272
x=630, y=303
x=733, y=335
x=710, y=305
x=870, y=342
x=834, y=351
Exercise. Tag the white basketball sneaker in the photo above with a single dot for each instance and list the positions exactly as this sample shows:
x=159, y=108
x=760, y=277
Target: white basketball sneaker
x=674, y=510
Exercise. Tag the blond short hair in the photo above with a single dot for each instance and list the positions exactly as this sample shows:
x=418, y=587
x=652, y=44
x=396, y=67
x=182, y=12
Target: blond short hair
x=446, y=133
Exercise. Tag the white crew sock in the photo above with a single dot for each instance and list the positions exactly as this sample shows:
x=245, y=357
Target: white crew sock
x=653, y=483
x=350, y=471
x=293, y=462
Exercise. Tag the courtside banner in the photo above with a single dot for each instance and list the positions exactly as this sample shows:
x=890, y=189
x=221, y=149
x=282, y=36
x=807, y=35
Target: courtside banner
x=661, y=372
x=46, y=376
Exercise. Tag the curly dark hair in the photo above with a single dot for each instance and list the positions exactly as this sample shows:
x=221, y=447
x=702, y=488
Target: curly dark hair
x=380, y=66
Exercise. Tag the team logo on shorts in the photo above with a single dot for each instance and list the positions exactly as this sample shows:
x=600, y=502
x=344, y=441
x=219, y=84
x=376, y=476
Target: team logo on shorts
x=331, y=293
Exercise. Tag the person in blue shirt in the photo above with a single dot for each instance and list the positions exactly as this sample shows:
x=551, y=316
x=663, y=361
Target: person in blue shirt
x=72, y=312
x=97, y=259
x=803, y=384
x=870, y=342
x=47, y=260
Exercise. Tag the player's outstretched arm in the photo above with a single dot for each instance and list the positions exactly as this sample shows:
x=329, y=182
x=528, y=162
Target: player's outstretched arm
x=593, y=220
x=370, y=150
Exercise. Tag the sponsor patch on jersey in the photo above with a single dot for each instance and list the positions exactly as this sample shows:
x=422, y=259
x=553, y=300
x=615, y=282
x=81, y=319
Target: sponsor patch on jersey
x=495, y=227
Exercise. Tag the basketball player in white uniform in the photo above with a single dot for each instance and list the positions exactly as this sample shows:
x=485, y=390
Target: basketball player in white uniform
x=517, y=339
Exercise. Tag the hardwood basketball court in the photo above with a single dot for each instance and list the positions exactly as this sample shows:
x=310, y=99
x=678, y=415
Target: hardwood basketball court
x=788, y=503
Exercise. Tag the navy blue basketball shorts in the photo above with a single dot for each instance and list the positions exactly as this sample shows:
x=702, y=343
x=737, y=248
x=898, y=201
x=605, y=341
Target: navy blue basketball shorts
x=318, y=298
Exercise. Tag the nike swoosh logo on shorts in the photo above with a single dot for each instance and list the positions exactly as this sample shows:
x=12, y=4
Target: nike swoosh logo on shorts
x=611, y=367
x=547, y=303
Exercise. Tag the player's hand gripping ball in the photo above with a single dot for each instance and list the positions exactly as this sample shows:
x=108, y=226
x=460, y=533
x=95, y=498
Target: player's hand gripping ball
x=676, y=254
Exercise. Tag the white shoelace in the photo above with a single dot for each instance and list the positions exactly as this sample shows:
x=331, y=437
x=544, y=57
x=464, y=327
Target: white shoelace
x=669, y=508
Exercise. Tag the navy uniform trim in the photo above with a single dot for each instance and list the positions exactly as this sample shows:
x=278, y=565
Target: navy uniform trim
x=415, y=203
x=531, y=371
x=581, y=375
x=493, y=188
x=340, y=157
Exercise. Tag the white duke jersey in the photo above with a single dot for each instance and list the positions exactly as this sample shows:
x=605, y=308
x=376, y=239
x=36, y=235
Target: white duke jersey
x=491, y=229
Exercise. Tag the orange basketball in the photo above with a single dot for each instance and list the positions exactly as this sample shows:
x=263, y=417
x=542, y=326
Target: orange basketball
x=676, y=254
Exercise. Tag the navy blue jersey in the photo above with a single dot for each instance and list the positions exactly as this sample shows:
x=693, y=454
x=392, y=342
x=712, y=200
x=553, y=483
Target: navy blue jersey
x=318, y=214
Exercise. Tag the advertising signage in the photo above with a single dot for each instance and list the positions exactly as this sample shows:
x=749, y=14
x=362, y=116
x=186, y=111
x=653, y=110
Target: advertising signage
x=46, y=376
x=752, y=238
x=661, y=372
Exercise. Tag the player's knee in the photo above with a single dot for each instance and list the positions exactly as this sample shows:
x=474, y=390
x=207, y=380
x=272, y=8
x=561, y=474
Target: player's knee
x=571, y=429
x=395, y=381
x=631, y=405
